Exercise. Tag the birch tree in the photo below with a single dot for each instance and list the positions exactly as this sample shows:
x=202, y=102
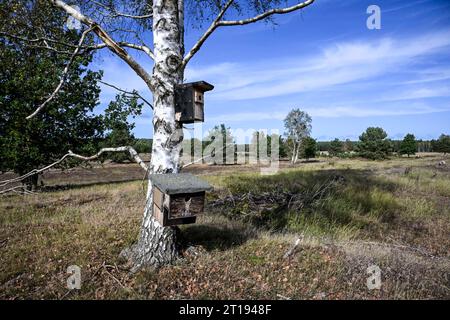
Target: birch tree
x=124, y=26
x=298, y=126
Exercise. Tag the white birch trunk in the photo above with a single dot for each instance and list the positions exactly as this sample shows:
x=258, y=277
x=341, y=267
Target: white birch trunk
x=296, y=152
x=293, y=155
x=157, y=245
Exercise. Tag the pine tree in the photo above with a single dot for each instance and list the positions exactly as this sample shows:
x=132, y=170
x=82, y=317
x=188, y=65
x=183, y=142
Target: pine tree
x=336, y=147
x=373, y=144
x=408, y=145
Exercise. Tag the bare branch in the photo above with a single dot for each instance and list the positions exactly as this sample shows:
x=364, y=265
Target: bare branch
x=44, y=40
x=46, y=47
x=115, y=13
x=106, y=38
x=64, y=75
x=135, y=93
x=222, y=23
x=143, y=48
x=128, y=149
x=45, y=44
x=206, y=35
x=13, y=189
x=37, y=40
x=266, y=14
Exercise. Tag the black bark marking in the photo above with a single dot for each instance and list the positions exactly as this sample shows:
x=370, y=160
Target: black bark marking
x=173, y=62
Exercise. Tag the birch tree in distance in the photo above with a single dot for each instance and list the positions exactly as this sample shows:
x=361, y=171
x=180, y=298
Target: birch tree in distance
x=298, y=126
x=122, y=26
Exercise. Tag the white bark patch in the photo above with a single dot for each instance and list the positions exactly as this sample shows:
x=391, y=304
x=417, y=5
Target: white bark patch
x=157, y=245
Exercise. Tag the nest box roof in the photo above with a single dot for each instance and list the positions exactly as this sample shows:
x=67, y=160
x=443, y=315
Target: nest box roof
x=202, y=85
x=175, y=183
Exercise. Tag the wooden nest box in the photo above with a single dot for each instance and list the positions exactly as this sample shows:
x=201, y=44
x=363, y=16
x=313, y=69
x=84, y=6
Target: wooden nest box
x=178, y=198
x=189, y=101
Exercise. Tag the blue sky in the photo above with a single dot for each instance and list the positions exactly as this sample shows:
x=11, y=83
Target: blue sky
x=325, y=61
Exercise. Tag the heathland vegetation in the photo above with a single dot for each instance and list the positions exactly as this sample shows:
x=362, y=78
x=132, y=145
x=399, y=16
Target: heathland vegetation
x=347, y=213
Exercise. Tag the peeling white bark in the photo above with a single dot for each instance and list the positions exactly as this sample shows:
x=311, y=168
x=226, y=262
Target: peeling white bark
x=157, y=245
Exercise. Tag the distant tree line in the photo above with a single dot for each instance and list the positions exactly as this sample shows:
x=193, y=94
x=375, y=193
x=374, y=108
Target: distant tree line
x=349, y=145
x=297, y=143
x=374, y=144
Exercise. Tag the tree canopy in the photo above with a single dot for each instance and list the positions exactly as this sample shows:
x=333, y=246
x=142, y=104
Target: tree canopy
x=442, y=144
x=308, y=148
x=374, y=144
x=27, y=76
x=119, y=129
x=336, y=147
x=408, y=145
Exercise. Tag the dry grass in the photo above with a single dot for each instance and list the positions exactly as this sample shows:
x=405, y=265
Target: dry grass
x=380, y=215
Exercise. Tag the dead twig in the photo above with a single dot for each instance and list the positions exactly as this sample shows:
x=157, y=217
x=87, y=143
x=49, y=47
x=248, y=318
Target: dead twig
x=292, y=249
x=3, y=242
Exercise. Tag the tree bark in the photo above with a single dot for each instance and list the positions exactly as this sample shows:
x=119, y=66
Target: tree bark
x=157, y=245
x=293, y=154
x=296, y=153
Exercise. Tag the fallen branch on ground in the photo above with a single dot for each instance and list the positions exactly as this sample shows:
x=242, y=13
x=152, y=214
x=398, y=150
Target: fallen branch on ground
x=282, y=200
x=134, y=155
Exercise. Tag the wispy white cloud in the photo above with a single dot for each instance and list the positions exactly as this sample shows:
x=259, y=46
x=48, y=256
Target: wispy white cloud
x=359, y=63
x=417, y=93
x=338, y=64
x=404, y=6
x=430, y=75
x=333, y=112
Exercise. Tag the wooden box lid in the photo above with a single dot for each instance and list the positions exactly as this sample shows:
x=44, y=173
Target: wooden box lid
x=203, y=86
x=176, y=183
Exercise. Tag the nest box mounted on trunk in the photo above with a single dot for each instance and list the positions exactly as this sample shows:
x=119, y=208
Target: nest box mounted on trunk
x=178, y=197
x=189, y=101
